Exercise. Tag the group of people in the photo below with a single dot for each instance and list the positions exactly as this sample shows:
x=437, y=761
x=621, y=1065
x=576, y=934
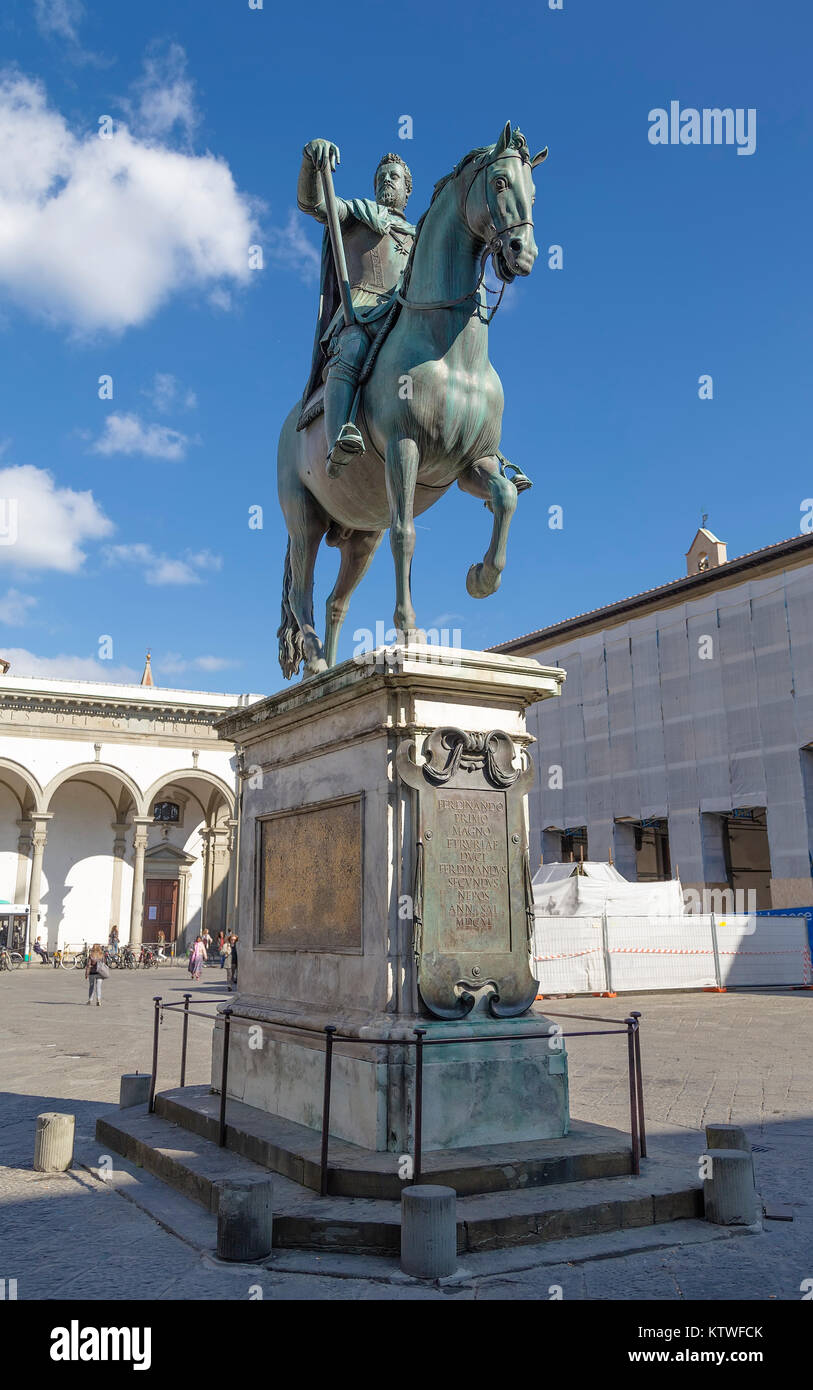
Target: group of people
x=226, y=949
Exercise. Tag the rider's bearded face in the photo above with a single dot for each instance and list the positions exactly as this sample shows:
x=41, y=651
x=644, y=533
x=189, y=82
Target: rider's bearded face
x=390, y=186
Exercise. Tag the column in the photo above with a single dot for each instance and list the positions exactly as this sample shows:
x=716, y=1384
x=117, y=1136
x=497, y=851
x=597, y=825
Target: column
x=141, y=827
x=119, y=846
x=715, y=867
x=215, y=873
x=230, y=924
x=23, y=859
x=221, y=835
x=39, y=835
x=625, y=857
x=205, y=882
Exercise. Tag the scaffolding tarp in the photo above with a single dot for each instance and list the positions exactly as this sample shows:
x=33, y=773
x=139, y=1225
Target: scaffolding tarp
x=599, y=954
x=592, y=888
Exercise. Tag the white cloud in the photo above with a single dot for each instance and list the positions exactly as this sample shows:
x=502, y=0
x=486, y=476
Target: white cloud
x=127, y=434
x=167, y=393
x=219, y=298
x=42, y=526
x=163, y=569
x=83, y=668
x=59, y=18
x=15, y=607
x=98, y=234
x=164, y=96
x=290, y=246
x=175, y=664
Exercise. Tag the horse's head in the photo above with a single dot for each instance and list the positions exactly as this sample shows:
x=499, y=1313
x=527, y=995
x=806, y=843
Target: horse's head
x=498, y=204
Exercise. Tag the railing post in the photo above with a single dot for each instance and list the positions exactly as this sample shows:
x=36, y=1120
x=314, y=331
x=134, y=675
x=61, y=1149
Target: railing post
x=186, y=999
x=330, y=1029
x=420, y=1034
x=224, y=1076
x=155, y=1026
x=636, y=1152
x=640, y=1081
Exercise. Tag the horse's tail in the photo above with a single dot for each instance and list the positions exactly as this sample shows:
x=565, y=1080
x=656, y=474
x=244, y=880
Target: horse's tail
x=291, y=647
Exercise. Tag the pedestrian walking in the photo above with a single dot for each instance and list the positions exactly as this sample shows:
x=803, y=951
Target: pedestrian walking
x=197, y=958
x=225, y=956
x=95, y=972
x=233, y=962
x=113, y=941
x=207, y=940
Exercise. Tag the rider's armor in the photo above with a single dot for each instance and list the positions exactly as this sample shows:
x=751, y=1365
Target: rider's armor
x=377, y=242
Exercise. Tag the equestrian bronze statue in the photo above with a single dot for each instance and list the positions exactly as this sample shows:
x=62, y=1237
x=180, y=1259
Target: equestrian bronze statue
x=402, y=400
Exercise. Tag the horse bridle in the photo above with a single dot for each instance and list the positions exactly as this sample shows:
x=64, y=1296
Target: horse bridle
x=492, y=246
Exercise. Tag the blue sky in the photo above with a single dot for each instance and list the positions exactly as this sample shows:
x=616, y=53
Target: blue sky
x=678, y=261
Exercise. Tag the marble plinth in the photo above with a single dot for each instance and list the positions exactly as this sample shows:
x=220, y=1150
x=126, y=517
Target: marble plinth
x=327, y=863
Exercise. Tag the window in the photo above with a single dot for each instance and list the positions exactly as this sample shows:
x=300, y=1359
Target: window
x=166, y=811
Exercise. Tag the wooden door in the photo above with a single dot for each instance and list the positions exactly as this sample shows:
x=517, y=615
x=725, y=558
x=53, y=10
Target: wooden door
x=160, y=908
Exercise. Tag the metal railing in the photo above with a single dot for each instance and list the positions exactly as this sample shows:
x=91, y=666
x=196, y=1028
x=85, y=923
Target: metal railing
x=631, y=1029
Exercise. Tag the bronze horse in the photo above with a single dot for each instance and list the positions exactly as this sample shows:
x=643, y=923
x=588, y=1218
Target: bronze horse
x=430, y=413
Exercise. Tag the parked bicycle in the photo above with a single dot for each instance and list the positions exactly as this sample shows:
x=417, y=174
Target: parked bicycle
x=10, y=960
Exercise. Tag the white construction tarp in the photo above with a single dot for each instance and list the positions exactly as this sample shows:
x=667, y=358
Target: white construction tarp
x=584, y=955
x=569, y=956
x=562, y=890
x=661, y=953
x=762, y=950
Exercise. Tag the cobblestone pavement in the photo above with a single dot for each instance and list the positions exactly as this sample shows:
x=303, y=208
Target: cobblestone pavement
x=725, y=1058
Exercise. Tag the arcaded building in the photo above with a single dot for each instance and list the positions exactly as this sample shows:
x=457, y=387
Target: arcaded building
x=682, y=742
x=118, y=807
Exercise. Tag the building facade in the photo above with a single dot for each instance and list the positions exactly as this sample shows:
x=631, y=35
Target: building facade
x=117, y=808
x=682, y=742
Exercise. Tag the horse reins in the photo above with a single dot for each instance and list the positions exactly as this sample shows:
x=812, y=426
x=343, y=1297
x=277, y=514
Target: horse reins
x=490, y=249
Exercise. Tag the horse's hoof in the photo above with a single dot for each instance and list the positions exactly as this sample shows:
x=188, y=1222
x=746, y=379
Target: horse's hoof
x=314, y=667
x=480, y=581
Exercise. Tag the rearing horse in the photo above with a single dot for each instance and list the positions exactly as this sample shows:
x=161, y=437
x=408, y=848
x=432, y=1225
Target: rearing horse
x=430, y=414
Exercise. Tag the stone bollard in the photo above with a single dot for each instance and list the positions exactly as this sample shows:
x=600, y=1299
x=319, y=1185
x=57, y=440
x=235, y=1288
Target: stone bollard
x=729, y=1194
x=727, y=1137
x=245, y=1212
x=53, y=1142
x=428, y=1231
x=134, y=1089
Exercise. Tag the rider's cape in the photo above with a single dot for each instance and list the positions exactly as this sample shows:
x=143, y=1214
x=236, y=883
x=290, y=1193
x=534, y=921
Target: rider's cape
x=379, y=219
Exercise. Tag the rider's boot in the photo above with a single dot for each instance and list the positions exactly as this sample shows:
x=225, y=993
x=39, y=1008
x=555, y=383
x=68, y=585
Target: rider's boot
x=340, y=390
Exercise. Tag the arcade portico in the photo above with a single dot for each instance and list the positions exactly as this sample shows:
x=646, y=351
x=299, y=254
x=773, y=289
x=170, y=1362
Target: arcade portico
x=117, y=807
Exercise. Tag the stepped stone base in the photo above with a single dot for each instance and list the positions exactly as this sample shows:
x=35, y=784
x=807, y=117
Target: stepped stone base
x=508, y=1195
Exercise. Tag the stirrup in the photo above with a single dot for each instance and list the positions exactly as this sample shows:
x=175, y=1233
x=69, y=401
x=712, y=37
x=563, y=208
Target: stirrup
x=349, y=445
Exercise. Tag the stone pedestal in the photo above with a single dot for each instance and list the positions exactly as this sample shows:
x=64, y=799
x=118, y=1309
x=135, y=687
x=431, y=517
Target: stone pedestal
x=350, y=914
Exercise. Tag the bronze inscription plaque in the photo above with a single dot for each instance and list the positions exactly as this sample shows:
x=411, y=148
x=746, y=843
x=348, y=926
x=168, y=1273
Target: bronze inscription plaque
x=311, y=878
x=472, y=863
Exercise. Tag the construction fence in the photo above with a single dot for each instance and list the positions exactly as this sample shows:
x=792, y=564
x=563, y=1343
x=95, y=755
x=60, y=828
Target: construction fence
x=608, y=954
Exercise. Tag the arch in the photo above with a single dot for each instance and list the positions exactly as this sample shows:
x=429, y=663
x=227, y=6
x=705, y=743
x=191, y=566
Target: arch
x=189, y=775
x=29, y=782
x=89, y=769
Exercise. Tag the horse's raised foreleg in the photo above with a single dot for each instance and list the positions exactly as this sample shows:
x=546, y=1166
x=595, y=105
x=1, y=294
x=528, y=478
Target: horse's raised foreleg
x=357, y=550
x=484, y=479
x=402, y=472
